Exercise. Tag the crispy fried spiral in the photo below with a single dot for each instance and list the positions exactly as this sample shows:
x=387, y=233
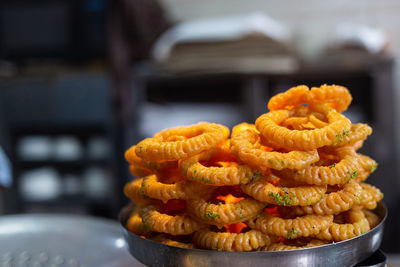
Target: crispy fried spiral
x=224, y=213
x=269, y=126
x=305, y=119
x=138, y=171
x=192, y=169
x=370, y=196
x=135, y=224
x=287, y=100
x=357, y=225
x=358, y=132
x=164, y=223
x=291, y=228
x=264, y=191
x=336, y=202
x=372, y=218
x=282, y=246
x=335, y=96
x=248, y=241
x=151, y=187
x=367, y=166
x=199, y=137
x=134, y=191
x=339, y=173
x=147, y=166
x=244, y=144
x=167, y=241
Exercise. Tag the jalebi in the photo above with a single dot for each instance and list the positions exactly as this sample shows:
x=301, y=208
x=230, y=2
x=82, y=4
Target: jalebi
x=292, y=180
x=221, y=214
x=244, y=144
x=169, y=224
x=231, y=241
x=269, y=126
x=199, y=137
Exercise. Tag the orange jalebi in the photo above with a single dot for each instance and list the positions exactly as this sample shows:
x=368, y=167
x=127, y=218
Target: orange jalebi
x=282, y=246
x=222, y=214
x=167, y=241
x=291, y=228
x=169, y=224
x=197, y=138
x=152, y=188
x=356, y=225
x=246, y=144
x=232, y=242
x=269, y=126
x=193, y=169
x=264, y=191
x=335, y=96
x=292, y=180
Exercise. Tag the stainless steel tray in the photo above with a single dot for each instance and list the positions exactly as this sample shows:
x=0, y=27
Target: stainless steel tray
x=344, y=253
x=62, y=240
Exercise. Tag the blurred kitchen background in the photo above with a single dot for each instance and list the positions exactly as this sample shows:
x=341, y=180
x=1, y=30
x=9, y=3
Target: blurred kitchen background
x=81, y=81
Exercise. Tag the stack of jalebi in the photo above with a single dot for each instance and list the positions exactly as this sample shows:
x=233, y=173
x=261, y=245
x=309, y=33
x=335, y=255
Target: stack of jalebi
x=292, y=180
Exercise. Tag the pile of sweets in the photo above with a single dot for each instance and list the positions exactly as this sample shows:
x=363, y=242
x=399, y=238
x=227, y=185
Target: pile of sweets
x=292, y=180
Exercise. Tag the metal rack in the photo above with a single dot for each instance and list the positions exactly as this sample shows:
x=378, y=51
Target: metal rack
x=76, y=105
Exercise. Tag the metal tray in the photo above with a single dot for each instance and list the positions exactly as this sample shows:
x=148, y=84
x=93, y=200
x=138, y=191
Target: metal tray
x=344, y=253
x=62, y=240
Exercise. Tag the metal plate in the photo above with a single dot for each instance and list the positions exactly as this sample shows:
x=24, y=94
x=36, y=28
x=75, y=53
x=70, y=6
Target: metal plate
x=344, y=253
x=62, y=240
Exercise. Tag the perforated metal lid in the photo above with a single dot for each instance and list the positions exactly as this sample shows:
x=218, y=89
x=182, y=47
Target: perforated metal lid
x=62, y=240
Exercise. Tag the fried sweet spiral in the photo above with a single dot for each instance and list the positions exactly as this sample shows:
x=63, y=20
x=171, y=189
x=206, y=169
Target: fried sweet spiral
x=241, y=127
x=264, y=191
x=372, y=218
x=291, y=228
x=133, y=190
x=139, y=171
x=357, y=225
x=151, y=187
x=358, y=132
x=303, y=118
x=244, y=144
x=167, y=241
x=248, y=241
x=370, y=196
x=282, y=246
x=198, y=138
x=336, y=174
x=337, y=202
x=221, y=214
x=269, y=126
x=295, y=123
x=367, y=166
x=335, y=96
x=287, y=100
x=193, y=169
x=149, y=166
x=164, y=223
x=135, y=224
